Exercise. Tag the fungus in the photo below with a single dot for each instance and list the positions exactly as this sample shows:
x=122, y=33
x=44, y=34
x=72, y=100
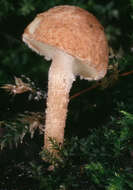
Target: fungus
x=76, y=43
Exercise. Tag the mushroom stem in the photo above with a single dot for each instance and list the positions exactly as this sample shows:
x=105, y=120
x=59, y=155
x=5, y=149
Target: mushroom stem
x=61, y=78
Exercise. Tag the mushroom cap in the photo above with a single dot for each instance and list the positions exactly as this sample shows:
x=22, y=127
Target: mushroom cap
x=74, y=31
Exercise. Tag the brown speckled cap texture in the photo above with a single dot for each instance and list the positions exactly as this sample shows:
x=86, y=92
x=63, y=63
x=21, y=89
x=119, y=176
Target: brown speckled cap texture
x=75, y=31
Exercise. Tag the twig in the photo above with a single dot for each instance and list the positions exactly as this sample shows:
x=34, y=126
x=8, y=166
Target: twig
x=83, y=91
x=126, y=73
x=95, y=86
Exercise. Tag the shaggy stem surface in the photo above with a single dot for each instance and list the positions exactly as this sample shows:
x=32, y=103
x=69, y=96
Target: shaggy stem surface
x=61, y=78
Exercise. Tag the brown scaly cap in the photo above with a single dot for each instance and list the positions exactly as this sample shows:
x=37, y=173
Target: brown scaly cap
x=75, y=31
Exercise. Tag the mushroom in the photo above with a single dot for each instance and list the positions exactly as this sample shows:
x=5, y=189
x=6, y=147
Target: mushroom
x=76, y=43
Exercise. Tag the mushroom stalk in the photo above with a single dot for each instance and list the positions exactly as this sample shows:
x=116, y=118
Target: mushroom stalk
x=60, y=81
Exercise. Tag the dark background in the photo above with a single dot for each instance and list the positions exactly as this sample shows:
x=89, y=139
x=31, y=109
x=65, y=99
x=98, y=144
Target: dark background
x=89, y=111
